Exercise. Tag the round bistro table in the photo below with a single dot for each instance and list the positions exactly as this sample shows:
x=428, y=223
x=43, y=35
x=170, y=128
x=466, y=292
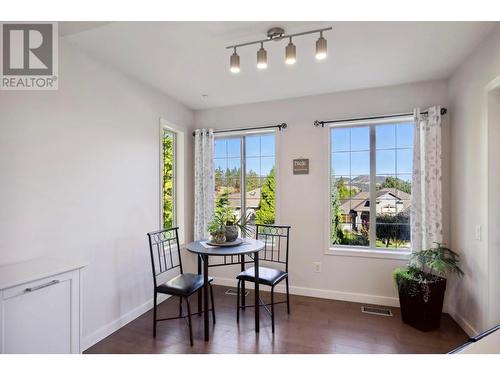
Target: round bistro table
x=248, y=247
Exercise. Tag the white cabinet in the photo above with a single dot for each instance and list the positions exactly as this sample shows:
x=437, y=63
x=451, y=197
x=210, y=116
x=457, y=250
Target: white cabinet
x=40, y=307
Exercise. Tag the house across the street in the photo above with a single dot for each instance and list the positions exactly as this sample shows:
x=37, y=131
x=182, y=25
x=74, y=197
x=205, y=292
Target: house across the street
x=252, y=200
x=356, y=210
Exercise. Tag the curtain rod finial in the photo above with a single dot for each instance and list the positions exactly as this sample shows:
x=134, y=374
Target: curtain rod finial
x=318, y=123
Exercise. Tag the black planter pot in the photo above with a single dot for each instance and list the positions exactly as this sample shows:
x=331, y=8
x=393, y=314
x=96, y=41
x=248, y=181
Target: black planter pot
x=421, y=307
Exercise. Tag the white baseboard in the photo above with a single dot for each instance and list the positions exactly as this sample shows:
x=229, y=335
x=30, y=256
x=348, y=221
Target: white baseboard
x=115, y=325
x=463, y=323
x=322, y=293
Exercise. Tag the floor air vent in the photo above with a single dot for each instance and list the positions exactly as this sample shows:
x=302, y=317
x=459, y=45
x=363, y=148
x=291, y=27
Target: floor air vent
x=376, y=311
x=232, y=292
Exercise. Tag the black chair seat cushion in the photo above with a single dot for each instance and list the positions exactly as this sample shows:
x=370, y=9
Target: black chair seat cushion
x=267, y=276
x=183, y=285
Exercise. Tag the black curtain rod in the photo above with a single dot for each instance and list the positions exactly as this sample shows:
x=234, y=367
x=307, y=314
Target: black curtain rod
x=279, y=126
x=322, y=123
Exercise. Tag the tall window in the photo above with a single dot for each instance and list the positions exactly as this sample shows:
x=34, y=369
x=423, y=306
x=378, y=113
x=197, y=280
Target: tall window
x=168, y=178
x=245, y=176
x=371, y=163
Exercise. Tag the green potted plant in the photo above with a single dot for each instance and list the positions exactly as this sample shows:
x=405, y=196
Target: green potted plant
x=422, y=284
x=229, y=220
x=216, y=228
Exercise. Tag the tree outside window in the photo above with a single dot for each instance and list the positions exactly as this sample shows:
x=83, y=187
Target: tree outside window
x=168, y=177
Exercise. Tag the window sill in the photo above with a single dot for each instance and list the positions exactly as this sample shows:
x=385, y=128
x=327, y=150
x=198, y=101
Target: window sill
x=351, y=251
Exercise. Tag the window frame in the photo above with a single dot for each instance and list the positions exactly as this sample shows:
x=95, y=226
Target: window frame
x=241, y=135
x=178, y=204
x=361, y=251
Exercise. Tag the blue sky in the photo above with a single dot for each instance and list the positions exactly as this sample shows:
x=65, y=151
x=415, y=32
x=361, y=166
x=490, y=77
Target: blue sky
x=394, y=152
x=260, y=151
x=393, y=148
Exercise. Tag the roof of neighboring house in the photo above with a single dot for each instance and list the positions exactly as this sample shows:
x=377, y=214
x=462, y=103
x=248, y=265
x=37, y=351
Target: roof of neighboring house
x=361, y=201
x=252, y=199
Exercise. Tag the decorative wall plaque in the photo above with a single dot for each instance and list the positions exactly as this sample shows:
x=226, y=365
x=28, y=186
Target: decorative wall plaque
x=301, y=166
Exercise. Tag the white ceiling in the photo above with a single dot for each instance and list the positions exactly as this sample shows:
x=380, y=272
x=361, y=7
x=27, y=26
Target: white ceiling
x=188, y=59
x=70, y=28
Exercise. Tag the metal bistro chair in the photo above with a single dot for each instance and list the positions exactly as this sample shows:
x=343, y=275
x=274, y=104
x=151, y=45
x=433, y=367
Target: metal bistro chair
x=276, y=239
x=166, y=256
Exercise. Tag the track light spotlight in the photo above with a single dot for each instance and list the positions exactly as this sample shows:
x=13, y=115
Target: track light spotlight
x=290, y=53
x=261, y=57
x=234, y=62
x=321, y=48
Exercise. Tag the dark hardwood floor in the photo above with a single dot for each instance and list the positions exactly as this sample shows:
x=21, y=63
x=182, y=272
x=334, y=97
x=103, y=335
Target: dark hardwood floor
x=314, y=326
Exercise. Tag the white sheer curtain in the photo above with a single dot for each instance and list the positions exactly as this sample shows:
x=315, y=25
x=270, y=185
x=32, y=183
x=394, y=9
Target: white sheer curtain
x=204, y=184
x=426, y=202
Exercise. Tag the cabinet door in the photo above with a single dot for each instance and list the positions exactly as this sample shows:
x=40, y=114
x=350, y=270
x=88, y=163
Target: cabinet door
x=38, y=318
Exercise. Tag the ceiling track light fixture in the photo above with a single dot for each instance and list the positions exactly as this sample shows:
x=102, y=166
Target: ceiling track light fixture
x=277, y=34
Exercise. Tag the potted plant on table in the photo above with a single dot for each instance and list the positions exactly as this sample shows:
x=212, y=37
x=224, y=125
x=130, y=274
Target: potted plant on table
x=235, y=225
x=422, y=284
x=216, y=228
x=225, y=226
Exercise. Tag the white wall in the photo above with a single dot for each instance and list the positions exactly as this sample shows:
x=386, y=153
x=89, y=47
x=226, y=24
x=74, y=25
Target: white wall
x=79, y=174
x=469, y=182
x=342, y=277
x=493, y=205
